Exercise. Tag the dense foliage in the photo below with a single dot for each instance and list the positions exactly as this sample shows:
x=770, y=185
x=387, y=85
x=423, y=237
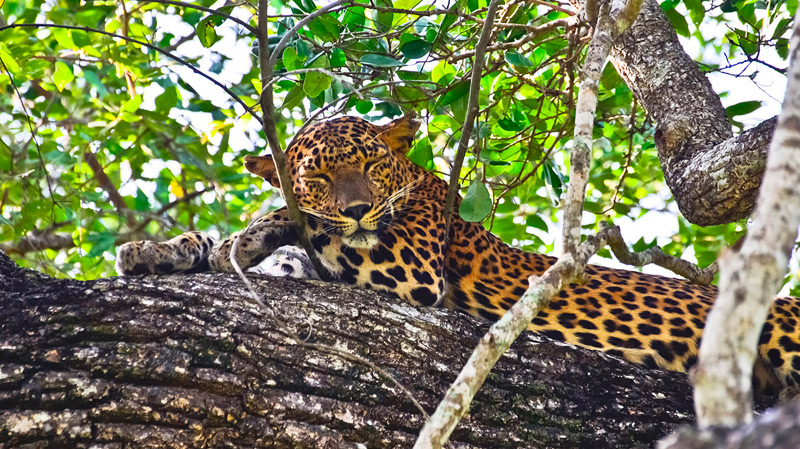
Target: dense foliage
x=131, y=143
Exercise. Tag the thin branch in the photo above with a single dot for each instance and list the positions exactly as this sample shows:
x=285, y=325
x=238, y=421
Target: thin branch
x=168, y=206
x=581, y=155
x=499, y=338
x=38, y=242
x=105, y=183
x=529, y=36
x=147, y=45
x=268, y=123
x=208, y=10
x=657, y=256
x=473, y=106
x=30, y=126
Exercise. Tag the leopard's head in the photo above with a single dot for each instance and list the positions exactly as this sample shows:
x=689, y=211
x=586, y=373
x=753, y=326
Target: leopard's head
x=350, y=175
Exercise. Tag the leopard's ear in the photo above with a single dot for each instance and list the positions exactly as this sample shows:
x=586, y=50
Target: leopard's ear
x=399, y=134
x=263, y=166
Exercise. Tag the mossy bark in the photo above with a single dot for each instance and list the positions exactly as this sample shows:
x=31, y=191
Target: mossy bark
x=184, y=361
x=713, y=175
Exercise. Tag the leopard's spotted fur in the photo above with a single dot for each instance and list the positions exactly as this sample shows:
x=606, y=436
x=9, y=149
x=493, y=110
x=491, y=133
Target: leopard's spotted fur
x=376, y=222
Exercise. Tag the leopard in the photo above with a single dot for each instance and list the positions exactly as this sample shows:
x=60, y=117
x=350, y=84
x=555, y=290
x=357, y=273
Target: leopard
x=376, y=220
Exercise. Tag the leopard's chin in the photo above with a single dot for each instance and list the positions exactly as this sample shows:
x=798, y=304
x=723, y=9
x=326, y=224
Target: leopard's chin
x=361, y=239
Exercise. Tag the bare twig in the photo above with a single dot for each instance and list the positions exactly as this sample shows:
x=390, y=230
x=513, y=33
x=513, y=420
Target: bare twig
x=39, y=242
x=473, y=105
x=278, y=156
x=33, y=131
x=529, y=37
x=499, y=339
x=657, y=256
x=215, y=12
x=105, y=183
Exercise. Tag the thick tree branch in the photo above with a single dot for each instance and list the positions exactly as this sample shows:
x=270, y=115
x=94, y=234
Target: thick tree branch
x=713, y=175
x=750, y=279
x=185, y=361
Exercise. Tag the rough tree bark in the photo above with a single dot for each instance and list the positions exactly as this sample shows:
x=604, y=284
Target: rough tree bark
x=184, y=361
x=713, y=175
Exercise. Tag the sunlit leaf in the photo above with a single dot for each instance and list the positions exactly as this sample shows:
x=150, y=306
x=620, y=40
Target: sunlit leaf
x=62, y=75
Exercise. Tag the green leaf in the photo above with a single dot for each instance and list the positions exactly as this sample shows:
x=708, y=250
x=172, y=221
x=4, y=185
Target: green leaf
x=742, y=108
x=696, y=10
x=290, y=60
x=535, y=221
x=459, y=91
x=642, y=245
x=678, y=22
x=95, y=81
x=64, y=38
x=354, y=18
x=415, y=49
x=325, y=27
x=207, y=30
x=62, y=75
x=363, y=106
x=552, y=177
x=782, y=47
x=447, y=22
x=11, y=63
x=477, y=203
x=132, y=105
x=377, y=60
x=747, y=41
x=517, y=60
x=294, y=97
x=167, y=100
x=383, y=20
x=422, y=154
x=315, y=83
x=102, y=242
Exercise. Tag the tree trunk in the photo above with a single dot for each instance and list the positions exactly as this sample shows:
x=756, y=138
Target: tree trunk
x=184, y=361
x=713, y=175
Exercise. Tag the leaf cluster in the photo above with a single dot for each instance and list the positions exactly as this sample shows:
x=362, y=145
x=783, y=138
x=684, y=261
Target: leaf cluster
x=170, y=143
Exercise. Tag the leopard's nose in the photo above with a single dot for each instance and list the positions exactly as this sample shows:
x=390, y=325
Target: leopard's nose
x=356, y=211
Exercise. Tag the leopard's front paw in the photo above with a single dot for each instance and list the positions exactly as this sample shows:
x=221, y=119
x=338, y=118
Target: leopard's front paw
x=183, y=252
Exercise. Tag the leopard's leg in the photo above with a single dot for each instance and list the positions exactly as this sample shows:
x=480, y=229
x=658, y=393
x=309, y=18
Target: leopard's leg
x=184, y=252
x=259, y=240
